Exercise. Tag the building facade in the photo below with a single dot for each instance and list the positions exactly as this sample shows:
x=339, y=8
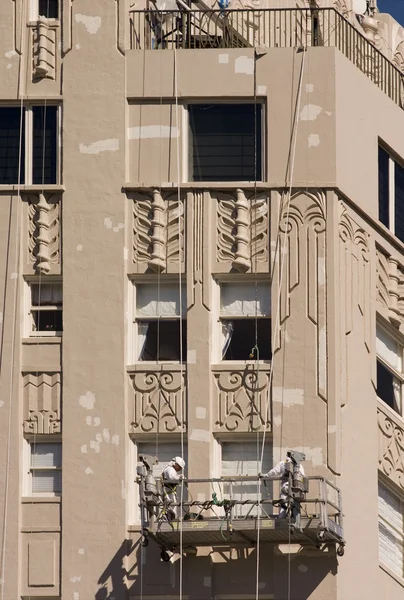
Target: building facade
x=201, y=254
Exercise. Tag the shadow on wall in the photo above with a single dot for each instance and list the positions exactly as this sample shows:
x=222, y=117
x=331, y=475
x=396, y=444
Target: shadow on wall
x=135, y=571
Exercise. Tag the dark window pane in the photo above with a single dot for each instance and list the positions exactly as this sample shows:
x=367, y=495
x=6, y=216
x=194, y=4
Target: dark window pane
x=10, y=130
x=48, y=9
x=226, y=142
x=384, y=187
x=399, y=201
x=163, y=341
x=44, y=151
x=243, y=339
x=48, y=320
x=386, y=386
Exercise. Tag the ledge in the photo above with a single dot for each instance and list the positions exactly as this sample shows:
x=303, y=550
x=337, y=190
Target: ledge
x=41, y=529
x=41, y=500
x=36, y=341
x=393, y=575
x=156, y=367
x=226, y=185
x=32, y=188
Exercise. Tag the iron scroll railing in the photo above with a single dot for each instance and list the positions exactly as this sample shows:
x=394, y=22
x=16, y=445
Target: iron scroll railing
x=272, y=28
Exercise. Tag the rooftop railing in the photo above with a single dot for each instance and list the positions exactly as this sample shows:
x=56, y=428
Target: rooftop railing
x=271, y=28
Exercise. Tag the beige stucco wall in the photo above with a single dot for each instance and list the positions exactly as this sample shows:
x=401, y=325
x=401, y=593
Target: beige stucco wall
x=86, y=545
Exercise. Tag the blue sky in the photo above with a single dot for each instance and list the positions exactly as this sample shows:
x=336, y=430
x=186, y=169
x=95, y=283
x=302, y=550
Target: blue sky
x=394, y=7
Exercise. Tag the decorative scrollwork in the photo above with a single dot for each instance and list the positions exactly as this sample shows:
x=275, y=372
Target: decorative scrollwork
x=391, y=447
x=44, y=232
x=42, y=403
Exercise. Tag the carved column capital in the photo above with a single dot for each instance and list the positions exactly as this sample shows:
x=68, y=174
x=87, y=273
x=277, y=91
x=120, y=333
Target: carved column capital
x=242, y=260
x=157, y=261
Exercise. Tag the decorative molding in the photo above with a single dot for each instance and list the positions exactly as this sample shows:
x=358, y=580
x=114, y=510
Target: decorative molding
x=67, y=22
x=341, y=7
x=159, y=402
x=158, y=230
x=242, y=400
x=391, y=446
x=398, y=58
x=18, y=16
x=43, y=232
x=42, y=403
x=303, y=234
x=242, y=229
x=390, y=286
x=44, y=40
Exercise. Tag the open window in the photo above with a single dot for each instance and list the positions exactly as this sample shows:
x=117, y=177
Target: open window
x=160, y=322
x=245, y=320
x=48, y=9
x=45, y=311
x=390, y=376
x=225, y=142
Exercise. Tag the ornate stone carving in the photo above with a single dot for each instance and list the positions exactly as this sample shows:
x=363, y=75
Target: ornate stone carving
x=391, y=446
x=158, y=230
x=390, y=287
x=44, y=232
x=44, y=50
x=341, y=7
x=242, y=400
x=42, y=403
x=242, y=229
x=159, y=402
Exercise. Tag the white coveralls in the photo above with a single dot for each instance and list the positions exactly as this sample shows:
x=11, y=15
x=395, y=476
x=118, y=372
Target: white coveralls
x=171, y=479
x=280, y=470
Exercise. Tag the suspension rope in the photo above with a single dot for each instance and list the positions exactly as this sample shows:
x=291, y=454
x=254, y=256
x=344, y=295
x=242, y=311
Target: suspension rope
x=14, y=320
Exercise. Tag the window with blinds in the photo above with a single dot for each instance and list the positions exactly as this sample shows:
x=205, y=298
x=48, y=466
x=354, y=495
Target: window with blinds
x=245, y=310
x=243, y=458
x=390, y=377
x=46, y=309
x=391, y=193
x=391, y=530
x=225, y=142
x=46, y=468
x=160, y=333
x=29, y=144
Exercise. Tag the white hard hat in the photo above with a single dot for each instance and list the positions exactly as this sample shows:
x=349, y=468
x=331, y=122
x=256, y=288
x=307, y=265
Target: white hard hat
x=179, y=461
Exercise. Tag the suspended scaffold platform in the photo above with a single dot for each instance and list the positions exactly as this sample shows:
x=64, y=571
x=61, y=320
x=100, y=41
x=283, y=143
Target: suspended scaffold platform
x=241, y=512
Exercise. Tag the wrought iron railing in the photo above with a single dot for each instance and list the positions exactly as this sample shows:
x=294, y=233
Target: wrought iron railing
x=272, y=28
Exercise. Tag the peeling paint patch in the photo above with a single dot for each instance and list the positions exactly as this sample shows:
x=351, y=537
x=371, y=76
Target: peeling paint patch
x=328, y=113
x=75, y=578
x=200, y=435
x=115, y=440
x=191, y=357
x=223, y=59
x=83, y=449
x=244, y=65
x=277, y=421
x=315, y=455
x=13, y=275
x=87, y=400
x=200, y=412
x=106, y=436
x=80, y=550
x=107, y=223
x=119, y=227
x=88, y=420
x=10, y=54
x=309, y=88
x=77, y=46
x=9, y=66
x=262, y=90
x=89, y=471
x=148, y=132
x=310, y=112
x=207, y=581
x=96, y=421
x=313, y=140
x=332, y=429
x=125, y=254
x=110, y=145
x=303, y=568
x=79, y=248
x=76, y=596
x=92, y=24
x=95, y=445
x=288, y=397
x=98, y=437
x=1, y=403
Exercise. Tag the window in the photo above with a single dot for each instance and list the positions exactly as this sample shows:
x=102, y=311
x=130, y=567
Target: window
x=245, y=317
x=165, y=452
x=45, y=469
x=36, y=130
x=44, y=8
x=390, y=376
x=158, y=334
x=243, y=458
x=225, y=142
x=391, y=193
x=391, y=530
x=45, y=316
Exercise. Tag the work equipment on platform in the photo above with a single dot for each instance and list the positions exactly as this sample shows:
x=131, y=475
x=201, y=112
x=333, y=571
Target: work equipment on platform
x=240, y=510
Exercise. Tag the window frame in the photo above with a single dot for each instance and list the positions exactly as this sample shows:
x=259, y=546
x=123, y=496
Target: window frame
x=134, y=348
x=220, y=319
x=186, y=128
x=30, y=442
x=28, y=308
x=397, y=374
x=386, y=484
x=34, y=12
x=28, y=139
x=393, y=160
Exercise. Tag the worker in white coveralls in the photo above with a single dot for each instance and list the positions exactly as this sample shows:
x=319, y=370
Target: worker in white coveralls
x=281, y=470
x=171, y=476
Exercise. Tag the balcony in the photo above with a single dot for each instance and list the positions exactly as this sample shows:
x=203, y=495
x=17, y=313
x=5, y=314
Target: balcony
x=269, y=28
